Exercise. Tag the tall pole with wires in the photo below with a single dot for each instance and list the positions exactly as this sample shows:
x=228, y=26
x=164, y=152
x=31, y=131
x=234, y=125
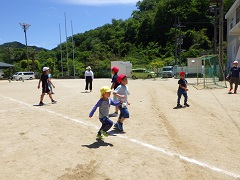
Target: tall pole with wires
x=25, y=27
x=66, y=42
x=61, y=47
x=73, y=51
x=221, y=19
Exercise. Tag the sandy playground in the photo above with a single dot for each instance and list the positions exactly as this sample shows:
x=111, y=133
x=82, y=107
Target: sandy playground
x=57, y=141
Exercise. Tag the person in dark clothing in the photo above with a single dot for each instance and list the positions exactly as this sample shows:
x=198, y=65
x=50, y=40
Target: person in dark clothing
x=114, y=85
x=88, y=78
x=182, y=90
x=45, y=89
x=234, y=77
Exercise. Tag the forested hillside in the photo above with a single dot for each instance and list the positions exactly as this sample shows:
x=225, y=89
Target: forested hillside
x=147, y=39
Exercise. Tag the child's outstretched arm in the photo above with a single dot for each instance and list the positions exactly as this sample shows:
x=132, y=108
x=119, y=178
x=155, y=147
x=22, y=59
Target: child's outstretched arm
x=118, y=95
x=116, y=103
x=51, y=83
x=99, y=103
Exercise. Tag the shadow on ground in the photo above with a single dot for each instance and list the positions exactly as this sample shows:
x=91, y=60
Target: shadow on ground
x=98, y=144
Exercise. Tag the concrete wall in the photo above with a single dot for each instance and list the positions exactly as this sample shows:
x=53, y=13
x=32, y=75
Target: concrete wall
x=124, y=67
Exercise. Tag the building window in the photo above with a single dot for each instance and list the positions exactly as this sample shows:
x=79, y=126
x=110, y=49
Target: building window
x=237, y=14
x=231, y=25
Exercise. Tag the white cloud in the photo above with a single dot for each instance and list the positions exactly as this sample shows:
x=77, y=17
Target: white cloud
x=99, y=2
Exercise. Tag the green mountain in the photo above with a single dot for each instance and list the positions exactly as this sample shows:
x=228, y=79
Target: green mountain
x=16, y=44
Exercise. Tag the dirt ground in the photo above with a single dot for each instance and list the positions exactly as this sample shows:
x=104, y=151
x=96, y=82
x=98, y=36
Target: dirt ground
x=57, y=141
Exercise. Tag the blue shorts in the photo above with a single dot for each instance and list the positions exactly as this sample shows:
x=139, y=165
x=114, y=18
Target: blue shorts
x=123, y=112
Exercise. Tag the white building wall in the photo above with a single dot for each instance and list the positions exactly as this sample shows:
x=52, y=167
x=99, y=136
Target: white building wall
x=233, y=37
x=124, y=67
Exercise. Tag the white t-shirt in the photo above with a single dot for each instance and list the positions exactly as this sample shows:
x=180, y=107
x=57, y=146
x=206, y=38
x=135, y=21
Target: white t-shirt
x=89, y=73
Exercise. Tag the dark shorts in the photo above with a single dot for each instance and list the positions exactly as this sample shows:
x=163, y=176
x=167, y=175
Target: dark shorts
x=123, y=112
x=45, y=89
x=234, y=80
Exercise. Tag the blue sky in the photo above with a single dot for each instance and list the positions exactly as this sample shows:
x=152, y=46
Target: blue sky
x=44, y=17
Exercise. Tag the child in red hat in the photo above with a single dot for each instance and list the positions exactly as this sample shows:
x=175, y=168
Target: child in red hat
x=114, y=85
x=182, y=90
x=122, y=92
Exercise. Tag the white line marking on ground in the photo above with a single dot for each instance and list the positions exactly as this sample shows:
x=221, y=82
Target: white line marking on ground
x=163, y=151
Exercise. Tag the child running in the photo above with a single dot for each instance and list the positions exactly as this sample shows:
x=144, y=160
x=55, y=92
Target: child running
x=45, y=89
x=104, y=106
x=182, y=90
x=122, y=92
x=115, y=84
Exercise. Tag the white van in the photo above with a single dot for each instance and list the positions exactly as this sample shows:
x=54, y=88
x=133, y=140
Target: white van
x=23, y=76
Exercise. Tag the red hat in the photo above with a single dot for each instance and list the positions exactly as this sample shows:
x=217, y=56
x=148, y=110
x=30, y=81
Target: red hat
x=121, y=77
x=182, y=73
x=115, y=69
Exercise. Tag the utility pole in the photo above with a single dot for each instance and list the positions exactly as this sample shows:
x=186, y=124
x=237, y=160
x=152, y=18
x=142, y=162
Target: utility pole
x=175, y=27
x=25, y=27
x=61, y=48
x=178, y=41
x=221, y=18
x=73, y=52
x=66, y=42
x=214, y=9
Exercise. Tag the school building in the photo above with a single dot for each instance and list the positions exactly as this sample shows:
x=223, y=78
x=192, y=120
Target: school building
x=233, y=34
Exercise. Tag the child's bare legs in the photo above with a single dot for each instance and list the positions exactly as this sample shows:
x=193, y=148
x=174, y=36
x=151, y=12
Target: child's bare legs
x=116, y=109
x=50, y=96
x=121, y=120
x=123, y=115
x=41, y=97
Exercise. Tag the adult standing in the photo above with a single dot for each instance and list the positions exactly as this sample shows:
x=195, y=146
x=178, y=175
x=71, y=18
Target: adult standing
x=88, y=78
x=234, y=77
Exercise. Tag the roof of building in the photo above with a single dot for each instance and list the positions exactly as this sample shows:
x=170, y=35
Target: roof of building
x=232, y=9
x=5, y=65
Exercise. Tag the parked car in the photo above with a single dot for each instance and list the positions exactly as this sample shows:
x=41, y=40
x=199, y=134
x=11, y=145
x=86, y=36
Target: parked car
x=167, y=72
x=23, y=76
x=142, y=73
x=2, y=76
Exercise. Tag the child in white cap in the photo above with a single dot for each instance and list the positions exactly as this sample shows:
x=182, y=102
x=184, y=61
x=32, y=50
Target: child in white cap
x=45, y=89
x=234, y=77
x=104, y=106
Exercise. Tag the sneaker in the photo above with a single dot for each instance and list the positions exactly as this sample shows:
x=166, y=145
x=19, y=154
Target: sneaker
x=41, y=104
x=186, y=104
x=116, y=125
x=230, y=90
x=52, y=93
x=99, y=137
x=115, y=114
x=53, y=101
x=104, y=133
x=120, y=126
x=179, y=106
